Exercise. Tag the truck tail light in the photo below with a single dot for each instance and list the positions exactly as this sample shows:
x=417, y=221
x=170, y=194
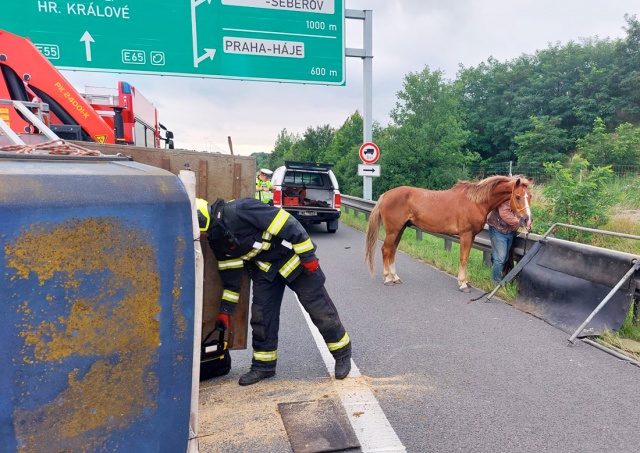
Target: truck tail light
x=336, y=201
x=277, y=197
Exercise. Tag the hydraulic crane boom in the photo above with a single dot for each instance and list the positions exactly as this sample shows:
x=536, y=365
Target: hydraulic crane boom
x=25, y=73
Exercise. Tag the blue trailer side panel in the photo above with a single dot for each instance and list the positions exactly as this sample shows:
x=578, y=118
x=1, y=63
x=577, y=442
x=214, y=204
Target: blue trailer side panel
x=96, y=307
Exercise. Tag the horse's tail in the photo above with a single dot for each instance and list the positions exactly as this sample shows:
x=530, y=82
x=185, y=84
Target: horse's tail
x=373, y=228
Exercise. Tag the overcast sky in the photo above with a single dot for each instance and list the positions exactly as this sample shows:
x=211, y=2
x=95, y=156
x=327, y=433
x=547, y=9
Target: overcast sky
x=407, y=36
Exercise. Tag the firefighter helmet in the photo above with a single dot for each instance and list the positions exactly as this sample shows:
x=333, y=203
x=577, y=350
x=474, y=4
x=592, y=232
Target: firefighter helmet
x=204, y=218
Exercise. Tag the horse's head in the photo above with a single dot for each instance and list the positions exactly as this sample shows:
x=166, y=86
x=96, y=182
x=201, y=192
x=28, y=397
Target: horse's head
x=520, y=199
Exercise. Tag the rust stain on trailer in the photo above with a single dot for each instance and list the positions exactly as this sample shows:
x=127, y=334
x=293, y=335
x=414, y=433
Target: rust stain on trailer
x=116, y=324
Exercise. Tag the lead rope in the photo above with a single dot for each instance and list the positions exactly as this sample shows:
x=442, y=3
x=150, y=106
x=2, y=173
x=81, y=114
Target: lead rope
x=480, y=296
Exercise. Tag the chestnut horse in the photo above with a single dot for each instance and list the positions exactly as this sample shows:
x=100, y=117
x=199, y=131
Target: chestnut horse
x=461, y=210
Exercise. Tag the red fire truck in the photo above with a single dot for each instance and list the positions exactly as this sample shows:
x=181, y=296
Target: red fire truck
x=103, y=115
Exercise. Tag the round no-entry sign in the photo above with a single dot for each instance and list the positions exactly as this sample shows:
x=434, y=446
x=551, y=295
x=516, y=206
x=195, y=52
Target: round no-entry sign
x=369, y=153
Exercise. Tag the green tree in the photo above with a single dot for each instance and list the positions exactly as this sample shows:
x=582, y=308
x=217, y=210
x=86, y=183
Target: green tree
x=593, y=146
x=575, y=196
x=425, y=144
x=314, y=144
x=262, y=160
x=533, y=108
x=593, y=99
x=487, y=96
x=283, y=148
x=546, y=142
x=575, y=83
x=620, y=148
x=343, y=153
x=625, y=149
x=625, y=80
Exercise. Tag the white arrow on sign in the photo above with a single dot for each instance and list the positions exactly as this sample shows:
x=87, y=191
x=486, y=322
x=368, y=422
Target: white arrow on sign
x=208, y=53
x=88, y=39
x=368, y=170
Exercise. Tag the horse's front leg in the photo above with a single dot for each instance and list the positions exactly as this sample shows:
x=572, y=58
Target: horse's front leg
x=466, y=241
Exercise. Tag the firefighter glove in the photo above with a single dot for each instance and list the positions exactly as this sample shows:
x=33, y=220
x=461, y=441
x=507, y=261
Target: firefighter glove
x=311, y=266
x=222, y=321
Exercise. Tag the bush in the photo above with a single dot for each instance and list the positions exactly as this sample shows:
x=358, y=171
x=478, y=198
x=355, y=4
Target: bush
x=576, y=195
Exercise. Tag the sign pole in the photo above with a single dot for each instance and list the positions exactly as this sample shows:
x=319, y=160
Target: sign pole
x=367, y=61
x=367, y=188
x=369, y=154
x=366, y=53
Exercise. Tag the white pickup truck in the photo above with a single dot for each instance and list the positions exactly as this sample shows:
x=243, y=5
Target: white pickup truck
x=309, y=192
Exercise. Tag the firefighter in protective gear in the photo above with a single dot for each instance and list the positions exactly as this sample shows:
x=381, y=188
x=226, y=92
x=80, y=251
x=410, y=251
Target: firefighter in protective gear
x=264, y=189
x=278, y=253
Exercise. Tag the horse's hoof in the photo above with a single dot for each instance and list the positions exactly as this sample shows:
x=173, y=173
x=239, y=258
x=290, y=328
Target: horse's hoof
x=397, y=282
x=389, y=283
x=465, y=289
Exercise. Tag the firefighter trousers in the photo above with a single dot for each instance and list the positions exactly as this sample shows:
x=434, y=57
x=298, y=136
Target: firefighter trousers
x=265, y=315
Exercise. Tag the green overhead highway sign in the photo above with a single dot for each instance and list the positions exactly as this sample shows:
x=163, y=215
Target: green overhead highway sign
x=298, y=41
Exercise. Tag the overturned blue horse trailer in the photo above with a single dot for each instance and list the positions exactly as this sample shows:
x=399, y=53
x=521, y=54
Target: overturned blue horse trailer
x=97, y=312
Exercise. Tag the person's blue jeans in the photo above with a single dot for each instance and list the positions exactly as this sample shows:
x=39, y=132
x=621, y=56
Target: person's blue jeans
x=500, y=246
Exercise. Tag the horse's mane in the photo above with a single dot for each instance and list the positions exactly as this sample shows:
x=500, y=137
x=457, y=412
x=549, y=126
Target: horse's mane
x=479, y=192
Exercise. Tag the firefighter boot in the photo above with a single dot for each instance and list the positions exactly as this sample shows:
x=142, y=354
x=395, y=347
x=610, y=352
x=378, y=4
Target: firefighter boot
x=343, y=366
x=254, y=376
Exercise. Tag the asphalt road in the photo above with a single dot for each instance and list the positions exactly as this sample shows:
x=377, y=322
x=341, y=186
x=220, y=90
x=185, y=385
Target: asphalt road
x=449, y=376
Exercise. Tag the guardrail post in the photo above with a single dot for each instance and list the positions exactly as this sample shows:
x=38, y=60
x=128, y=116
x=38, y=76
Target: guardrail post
x=418, y=234
x=486, y=257
x=447, y=245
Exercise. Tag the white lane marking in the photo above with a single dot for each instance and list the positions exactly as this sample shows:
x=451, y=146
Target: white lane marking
x=365, y=414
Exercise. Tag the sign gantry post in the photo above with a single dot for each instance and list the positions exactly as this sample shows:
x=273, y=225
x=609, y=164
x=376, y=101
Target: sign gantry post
x=366, y=53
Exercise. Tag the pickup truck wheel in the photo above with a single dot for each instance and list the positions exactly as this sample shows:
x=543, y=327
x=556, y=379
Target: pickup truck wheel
x=332, y=226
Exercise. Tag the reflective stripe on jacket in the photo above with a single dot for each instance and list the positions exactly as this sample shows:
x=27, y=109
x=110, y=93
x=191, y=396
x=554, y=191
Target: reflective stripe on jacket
x=255, y=231
x=264, y=196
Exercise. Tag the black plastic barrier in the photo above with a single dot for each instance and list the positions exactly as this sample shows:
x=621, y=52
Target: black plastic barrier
x=564, y=282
